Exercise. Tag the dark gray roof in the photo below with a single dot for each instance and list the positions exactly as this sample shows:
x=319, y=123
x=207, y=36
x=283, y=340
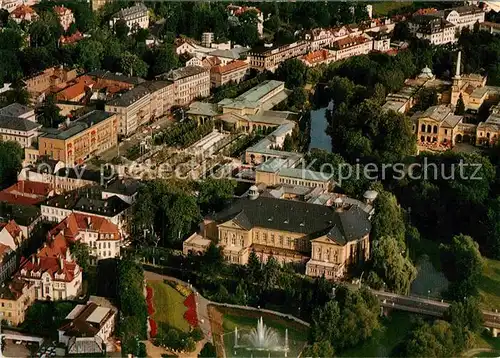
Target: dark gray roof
x=127, y=98
x=116, y=77
x=15, y=110
x=183, y=72
x=133, y=10
x=23, y=215
x=311, y=220
x=125, y=186
x=153, y=86
x=17, y=124
x=86, y=121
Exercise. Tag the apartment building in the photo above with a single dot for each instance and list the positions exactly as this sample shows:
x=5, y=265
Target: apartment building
x=319, y=38
x=351, y=46
x=136, y=17
x=19, y=111
x=81, y=139
x=10, y=5
x=190, y=82
x=232, y=72
x=434, y=28
x=464, y=17
x=162, y=97
x=268, y=57
x=54, y=272
x=133, y=109
x=65, y=15
x=16, y=296
x=328, y=240
x=23, y=13
x=26, y=192
x=20, y=130
x=99, y=234
x=87, y=328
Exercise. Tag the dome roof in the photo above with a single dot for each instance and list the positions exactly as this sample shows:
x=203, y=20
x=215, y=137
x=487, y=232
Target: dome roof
x=427, y=71
x=338, y=200
x=253, y=188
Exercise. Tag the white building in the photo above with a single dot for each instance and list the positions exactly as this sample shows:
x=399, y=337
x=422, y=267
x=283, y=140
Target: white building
x=87, y=329
x=432, y=27
x=136, y=17
x=20, y=130
x=352, y=46
x=11, y=235
x=207, y=38
x=10, y=5
x=189, y=83
x=464, y=17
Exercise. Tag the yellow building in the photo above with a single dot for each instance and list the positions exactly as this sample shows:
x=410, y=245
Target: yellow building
x=16, y=297
x=81, y=139
x=327, y=240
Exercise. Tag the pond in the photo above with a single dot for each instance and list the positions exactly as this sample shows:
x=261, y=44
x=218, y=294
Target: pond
x=319, y=138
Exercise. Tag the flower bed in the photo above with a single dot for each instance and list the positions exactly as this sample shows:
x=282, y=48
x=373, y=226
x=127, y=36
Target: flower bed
x=190, y=315
x=154, y=327
x=149, y=300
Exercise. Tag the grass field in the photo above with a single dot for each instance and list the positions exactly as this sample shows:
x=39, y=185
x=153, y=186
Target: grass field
x=393, y=331
x=169, y=306
x=246, y=320
x=489, y=285
x=382, y=8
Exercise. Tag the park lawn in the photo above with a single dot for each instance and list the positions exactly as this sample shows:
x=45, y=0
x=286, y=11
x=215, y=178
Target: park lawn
x=246, y=320
x=382, y=8
x=489, y=285
x=169, y=306
x=393, y=331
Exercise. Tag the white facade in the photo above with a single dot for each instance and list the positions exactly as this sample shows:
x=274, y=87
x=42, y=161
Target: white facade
x=349, y=47
x=465, y=17
x=10, y=5
x=136, y=17
x=24, y=138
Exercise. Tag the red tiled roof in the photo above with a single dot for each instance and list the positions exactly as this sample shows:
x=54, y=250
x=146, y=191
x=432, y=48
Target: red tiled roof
x=70, y=227
x=4, y=249
x=61, y=10
x=12, y=228
x=26, y=192
x=211, y=61
x=22, y=10
x=426, y=11
x=77, y=89
x=77, y=36
x=317, y=56
x=51, y=265
x=231, y=66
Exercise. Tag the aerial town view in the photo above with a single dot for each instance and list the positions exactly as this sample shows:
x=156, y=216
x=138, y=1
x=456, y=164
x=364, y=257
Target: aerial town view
x=249, y=179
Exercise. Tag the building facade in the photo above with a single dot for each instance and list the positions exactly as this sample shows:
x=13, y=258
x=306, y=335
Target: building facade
x=82, y=139
x=269, y=57
x=16, y=296
x=136, y=17
x=279, y=228
x=19, y=130
x=189, y=83
x=232, y=72
x=351, y=46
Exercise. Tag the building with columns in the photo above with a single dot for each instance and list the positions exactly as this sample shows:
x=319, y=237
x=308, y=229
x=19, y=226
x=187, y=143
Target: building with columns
x=327, y=240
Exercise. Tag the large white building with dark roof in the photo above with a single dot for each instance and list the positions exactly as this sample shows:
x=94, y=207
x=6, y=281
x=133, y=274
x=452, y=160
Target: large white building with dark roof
x=326, y=239
x=190, y=82
x=136, y=17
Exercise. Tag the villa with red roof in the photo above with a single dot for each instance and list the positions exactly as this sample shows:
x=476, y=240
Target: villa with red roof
x=318, y=57
x=56, y=275
x=65, y=15
x=11, y=235
x=23, y=13
x=101, y=235
x=234, y=71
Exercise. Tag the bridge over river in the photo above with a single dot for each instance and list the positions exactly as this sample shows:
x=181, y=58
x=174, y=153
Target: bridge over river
x=429, y=307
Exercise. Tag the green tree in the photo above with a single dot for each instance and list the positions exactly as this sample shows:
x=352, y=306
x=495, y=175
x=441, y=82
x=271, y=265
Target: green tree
x=214, y=193
x=121, y=30
x=90, y=54
x=460, y=107
x=388, y=220
x=165, y=59
x=48, y=114
x=11, y=156
x=434, y=340
x=322, y=349
x=270, y=274
x=81, y=253
x=293, y=72
x=463, y=265
x=208, y=351
x=132, y=65
x=466, y=315
x=391, y=263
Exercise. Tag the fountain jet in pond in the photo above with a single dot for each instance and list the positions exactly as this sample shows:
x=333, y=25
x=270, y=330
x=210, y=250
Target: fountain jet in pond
x=262, y=338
